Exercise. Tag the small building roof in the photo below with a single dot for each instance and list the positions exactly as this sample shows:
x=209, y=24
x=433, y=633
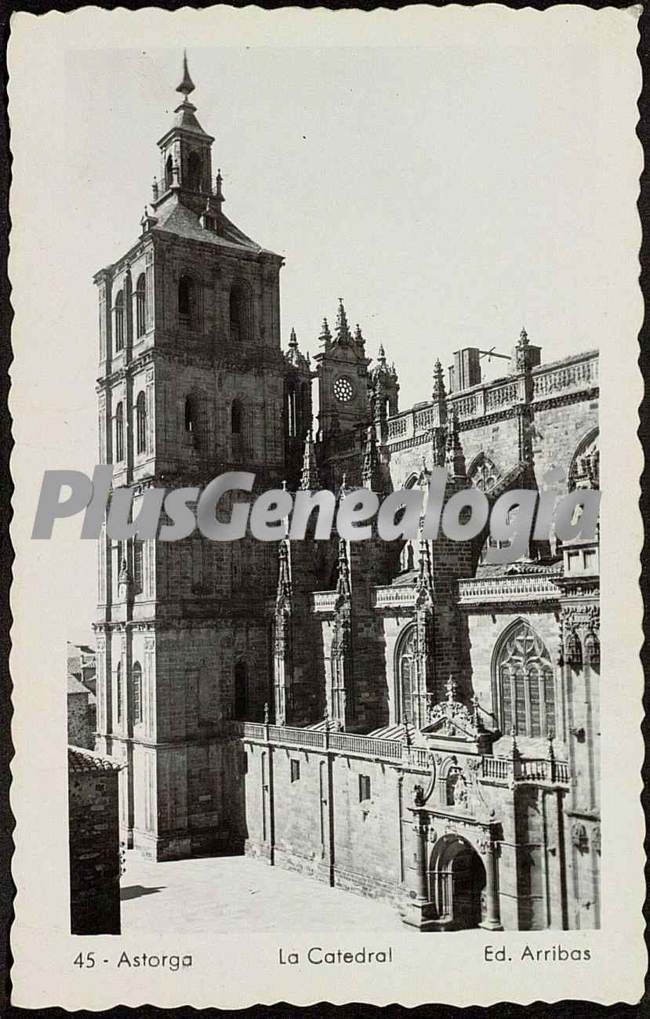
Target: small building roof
x=82, y=760
x=75, y=685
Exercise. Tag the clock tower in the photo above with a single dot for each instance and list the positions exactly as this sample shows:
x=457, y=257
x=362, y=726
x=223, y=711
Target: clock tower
x=342, y=370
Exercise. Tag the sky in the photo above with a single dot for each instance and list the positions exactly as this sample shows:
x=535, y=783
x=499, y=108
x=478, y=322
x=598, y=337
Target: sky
x=450, y=192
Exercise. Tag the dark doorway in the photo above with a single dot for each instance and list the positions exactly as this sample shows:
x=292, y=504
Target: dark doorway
x=456, y=882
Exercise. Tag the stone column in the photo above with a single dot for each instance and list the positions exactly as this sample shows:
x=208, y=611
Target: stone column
x=492, y=921
x=417, y=910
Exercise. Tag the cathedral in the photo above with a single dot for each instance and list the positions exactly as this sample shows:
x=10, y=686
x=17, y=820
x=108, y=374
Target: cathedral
x=400, y=719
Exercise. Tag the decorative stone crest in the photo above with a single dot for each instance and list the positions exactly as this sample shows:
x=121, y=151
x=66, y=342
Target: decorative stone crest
x=579, y=837
x=580, y=635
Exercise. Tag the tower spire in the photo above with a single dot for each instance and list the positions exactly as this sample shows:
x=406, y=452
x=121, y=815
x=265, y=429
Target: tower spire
x=309, y=480
x=371, y=468
x=187, y=85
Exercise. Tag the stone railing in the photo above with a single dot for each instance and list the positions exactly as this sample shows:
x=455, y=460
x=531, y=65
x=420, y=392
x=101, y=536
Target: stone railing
x=464, y=406
x=393, y=597
x=493, y=769
x=321, y=739
x=498, y=397
x=522, y=769
x=324, y=601
x=524, y=587
x=576, y=373
x=582, y=374
x=424, y=419
x=401, y=427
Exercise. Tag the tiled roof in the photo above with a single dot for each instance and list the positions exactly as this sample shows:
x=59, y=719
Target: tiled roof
x=177, y=219
x=82, y=760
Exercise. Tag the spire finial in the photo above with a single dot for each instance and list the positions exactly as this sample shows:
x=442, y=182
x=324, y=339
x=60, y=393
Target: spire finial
x=325, y=335
x=187, y=85
x=438, y=393
x=293, y=340
x=218, y=193
x=342, y=328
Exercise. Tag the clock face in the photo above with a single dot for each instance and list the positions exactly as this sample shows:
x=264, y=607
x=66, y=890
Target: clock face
x=343, y=389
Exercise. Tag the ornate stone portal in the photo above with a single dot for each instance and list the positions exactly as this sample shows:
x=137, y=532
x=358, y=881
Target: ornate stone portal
x=453, y=878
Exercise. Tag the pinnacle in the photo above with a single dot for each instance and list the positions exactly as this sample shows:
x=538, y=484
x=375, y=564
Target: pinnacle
x=342, y=327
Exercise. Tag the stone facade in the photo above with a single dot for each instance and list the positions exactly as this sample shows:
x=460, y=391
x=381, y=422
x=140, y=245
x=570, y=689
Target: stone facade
x=396, y=718
x=94, y=843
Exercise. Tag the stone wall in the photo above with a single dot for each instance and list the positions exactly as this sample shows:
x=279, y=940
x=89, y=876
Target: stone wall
x=81, y=727
x=94, y=844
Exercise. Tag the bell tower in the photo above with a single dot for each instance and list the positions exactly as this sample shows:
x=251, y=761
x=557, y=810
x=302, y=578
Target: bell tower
x=186, y=154
x=191, y=385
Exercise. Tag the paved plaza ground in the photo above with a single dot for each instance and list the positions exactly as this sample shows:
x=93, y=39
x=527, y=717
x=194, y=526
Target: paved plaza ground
x=234, y=894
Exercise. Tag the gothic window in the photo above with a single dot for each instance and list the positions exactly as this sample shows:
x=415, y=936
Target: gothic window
x=525, y=683
x=241, y=690
x=185, y=298
x=295, y=770
x=584, y=471
x=119, y=432
x=483, y=474
x=405, y=675
x=194, y=171
x=137, y=566
x=118, y=690
x=364, y=788
x=238, y=311
x=141, y=423
x=119, y=321
x=236, y=418
x=136, y=673
x=140, y=305
x=169, y=175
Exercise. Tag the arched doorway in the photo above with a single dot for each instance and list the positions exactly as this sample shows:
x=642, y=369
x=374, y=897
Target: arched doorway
x=456, y=883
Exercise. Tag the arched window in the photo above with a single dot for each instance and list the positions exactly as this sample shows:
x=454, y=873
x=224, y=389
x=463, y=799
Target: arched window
x=238, y=314
x=140, y=305
x=169, y=171
x=141, y=423
x=406, y=675
x=137, y=565
x=240, y=700
x=291, y=412
x=136, y=674
x=185, y=297
x=118, y=690
x=119, y=432
x=194, y=171
x=190, y=415
x=483, y=474
x=525, y=681
x=236, y=418
x=584, y=471
x=119, y=321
